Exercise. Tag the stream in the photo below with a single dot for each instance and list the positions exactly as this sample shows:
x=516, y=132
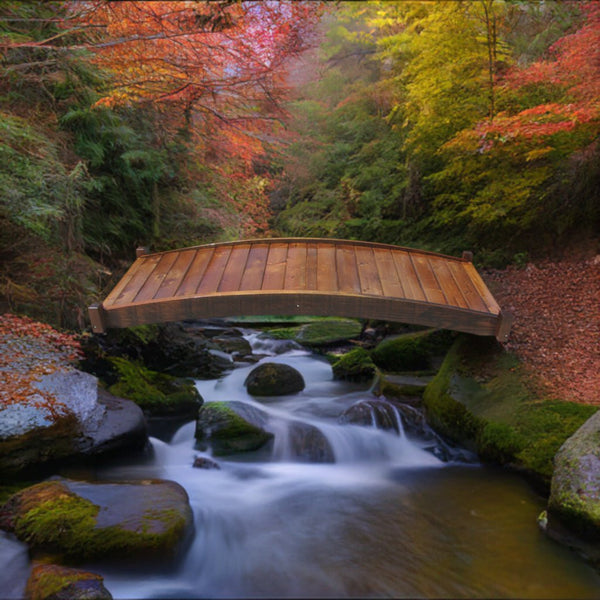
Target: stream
x=387, y=519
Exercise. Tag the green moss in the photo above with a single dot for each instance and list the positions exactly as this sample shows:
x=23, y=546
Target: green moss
x=47, y=580
x=156, y=393
x=482, y=396
x=395, y=390
x=323, y=332
x=412, y=351
x=227, y=431
x=355, y=365
x=52, y=519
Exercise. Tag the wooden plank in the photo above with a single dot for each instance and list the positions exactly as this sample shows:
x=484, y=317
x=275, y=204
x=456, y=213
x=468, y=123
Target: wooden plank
x=429, y=283
x=175, y=276
x=234, y=269
x=367, y=271
x=388, y=275
x=481, y=288
x=194, y=274
x=446, y=280
x=347, y=270
x=295, y=273
x=214, y=271
x=145, y=267
x=312, y=256
x=408, y=276
x=156, y=278
x=276, y=265
x=326, y=268
x=252, y=278
x=469, y=291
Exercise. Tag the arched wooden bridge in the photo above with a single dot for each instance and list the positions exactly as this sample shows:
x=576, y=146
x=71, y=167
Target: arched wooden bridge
x=302, y=276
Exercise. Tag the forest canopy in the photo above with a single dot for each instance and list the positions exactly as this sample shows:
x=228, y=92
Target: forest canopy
x=441, y=125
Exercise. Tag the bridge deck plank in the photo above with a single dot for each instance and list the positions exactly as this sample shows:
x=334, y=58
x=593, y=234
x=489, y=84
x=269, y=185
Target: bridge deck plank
x=429, y=283
x=156, y=278
x=367, y=271
x=295, y=273
x=326, y=268
x=142, y=269
x=214, y=271
x=234, y=269
x=192, y=278
x=311, y=266
x=388, y=275
x=256, y=264
x=408, y=276
x=447, y=283
x=176, y=274
x=276, y=267
x=347, y=271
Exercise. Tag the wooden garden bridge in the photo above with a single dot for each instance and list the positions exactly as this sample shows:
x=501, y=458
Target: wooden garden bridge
x=303, y=276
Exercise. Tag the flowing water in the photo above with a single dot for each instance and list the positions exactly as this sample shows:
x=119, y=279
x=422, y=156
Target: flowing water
x=386, y=519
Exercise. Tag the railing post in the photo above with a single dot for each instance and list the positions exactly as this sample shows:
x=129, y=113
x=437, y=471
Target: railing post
x=97, y=318
x=506, y=321
x=141, y=250
x=467, y=255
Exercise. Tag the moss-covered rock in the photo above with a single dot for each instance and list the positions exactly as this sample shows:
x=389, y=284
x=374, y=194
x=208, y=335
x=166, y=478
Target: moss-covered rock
x=56, y=582
x=324, y=332
x=228, y=432
x=158, y=394
x=274, y=379
x=483, y=399
x=575, y=489
x=355, y=365
x=82, y=521
x=411, y=351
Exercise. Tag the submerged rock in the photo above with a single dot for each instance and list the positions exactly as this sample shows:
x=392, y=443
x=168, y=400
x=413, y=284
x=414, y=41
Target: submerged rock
x=274, y=379
x=55, y=582
x=81, y=521
x=308, y=444
x=375, y=413
x=231, y=427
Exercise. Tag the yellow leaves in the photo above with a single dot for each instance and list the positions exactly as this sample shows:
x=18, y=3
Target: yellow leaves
x=538, y=153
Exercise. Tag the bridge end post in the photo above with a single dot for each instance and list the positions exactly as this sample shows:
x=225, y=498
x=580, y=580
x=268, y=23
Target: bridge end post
x=97, y=317
x=504, y=325
x=141, y=250
x=467, y=255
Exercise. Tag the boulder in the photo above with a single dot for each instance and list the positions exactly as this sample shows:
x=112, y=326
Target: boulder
x=158, y=394
x=574, y=500
x=308, y=444
x=55, y=582
x=375, y=413
x=83, y=521
x=274, y=379
x=355, y=365
x=231, y=427
x=62, y=416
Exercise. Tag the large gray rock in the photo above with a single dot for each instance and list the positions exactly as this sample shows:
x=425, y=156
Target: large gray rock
x=78, y=520
x=62, y=416
x=308, y=444
x=575, y=489
x=274, y=379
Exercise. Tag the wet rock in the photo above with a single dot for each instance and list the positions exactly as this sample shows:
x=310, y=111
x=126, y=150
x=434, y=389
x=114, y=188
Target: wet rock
x=201, y=462
x=308, y=444
x=82, y=521
x=228, y=432
x=55, y=582
x=274, y=379
x=69, y=420
x=374, y=413
x=158, y=394
x=575, y=488
x=235, y=345
x=355, y=365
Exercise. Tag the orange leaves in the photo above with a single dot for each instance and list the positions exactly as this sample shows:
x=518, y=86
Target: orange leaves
x=28, y=351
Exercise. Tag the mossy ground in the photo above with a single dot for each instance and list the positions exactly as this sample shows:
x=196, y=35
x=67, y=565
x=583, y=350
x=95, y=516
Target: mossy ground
x=484, y=398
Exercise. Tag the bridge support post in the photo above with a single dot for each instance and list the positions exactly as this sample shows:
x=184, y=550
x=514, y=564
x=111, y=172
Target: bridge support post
x=97, y=318
x=506, y=321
